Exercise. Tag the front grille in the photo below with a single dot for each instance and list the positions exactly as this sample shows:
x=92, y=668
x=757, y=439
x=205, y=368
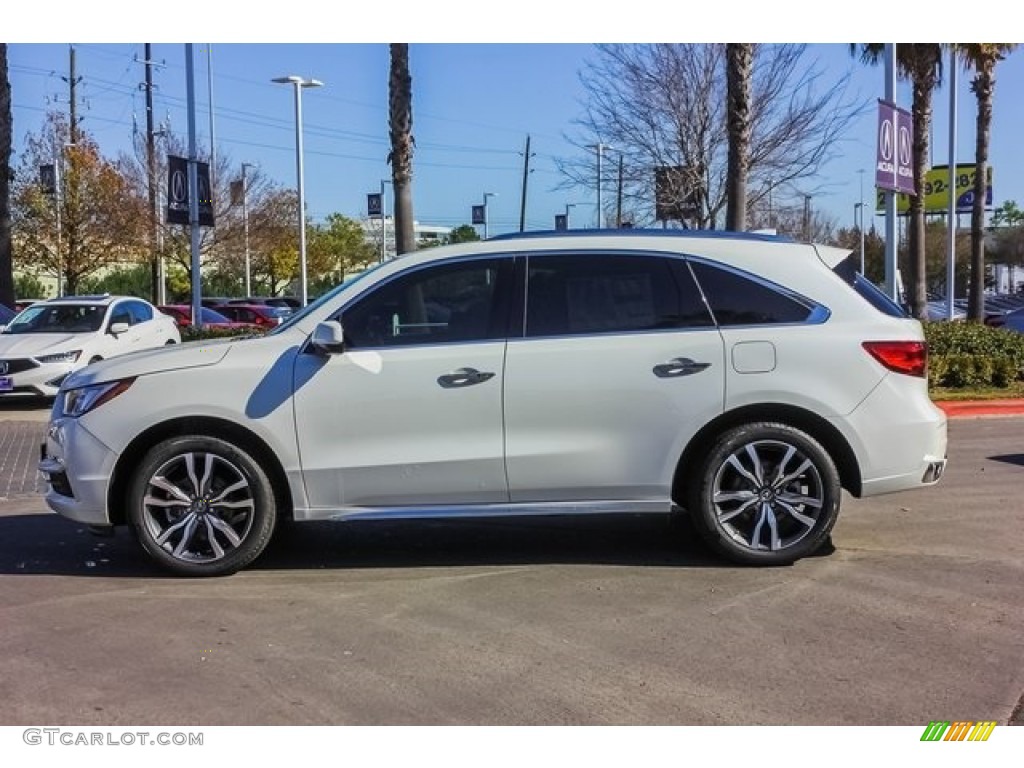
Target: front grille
x=17, y=366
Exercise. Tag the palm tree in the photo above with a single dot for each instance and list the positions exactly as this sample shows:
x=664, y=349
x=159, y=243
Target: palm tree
x=982, y=58
x=6, y=131
x=739, y=59
x=402, y=142
x=921, y=64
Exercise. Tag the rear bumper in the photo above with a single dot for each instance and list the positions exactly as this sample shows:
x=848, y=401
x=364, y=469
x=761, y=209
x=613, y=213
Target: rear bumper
x=898, y=436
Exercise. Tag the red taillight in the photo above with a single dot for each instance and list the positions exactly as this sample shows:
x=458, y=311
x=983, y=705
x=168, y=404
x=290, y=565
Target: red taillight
x=909, y=357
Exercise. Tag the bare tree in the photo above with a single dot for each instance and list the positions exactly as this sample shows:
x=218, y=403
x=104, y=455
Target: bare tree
x=6, y=130
x=402, y=142
x=665, y=106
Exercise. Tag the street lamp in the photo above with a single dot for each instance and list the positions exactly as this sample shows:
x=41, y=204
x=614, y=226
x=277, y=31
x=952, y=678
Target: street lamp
x=245, y=226
x=300, y=83
x=487, y=195
x=858, y=221
x=567, y=207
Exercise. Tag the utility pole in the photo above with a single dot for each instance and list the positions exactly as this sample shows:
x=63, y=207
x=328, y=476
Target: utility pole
x=193, y=187
x=618, y=199
x=526, y=176
x=72, y=81
x=807, y=218
x=155, y=282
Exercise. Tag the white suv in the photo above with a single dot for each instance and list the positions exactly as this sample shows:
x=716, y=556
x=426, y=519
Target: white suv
x=745, y=378
x=49, y=339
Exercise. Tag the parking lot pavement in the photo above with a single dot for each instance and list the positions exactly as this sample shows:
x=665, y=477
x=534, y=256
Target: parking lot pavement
x=915, y=616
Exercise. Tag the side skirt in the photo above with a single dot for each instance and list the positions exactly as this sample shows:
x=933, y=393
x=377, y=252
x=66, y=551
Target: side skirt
x=518, y=509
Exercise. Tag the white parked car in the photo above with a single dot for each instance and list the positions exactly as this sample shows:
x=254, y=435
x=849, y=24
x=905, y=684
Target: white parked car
x=746, y=379
x=49, y=339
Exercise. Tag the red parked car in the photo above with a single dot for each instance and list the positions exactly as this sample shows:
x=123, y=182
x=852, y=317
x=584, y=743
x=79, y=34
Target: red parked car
x=182, y=314
x=255, y=314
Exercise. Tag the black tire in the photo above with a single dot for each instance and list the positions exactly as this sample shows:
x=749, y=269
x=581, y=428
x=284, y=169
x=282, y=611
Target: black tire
x=767, y=494
x=213, y=530
x=94, y=359
x=169, y=342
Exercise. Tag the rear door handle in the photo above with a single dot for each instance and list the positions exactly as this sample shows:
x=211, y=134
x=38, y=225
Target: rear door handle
x=463, y=377
x=679, y=366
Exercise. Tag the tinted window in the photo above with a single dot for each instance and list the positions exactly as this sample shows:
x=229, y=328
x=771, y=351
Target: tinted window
x=739, y=300
x=609, y=294
x=139, y=312
x=439, y=304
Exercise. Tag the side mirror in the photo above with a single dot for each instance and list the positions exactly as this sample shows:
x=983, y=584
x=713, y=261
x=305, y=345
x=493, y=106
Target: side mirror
x=118, y=328
x=329, y=338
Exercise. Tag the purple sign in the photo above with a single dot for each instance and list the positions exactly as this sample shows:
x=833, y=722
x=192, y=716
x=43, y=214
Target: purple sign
x=894, y=169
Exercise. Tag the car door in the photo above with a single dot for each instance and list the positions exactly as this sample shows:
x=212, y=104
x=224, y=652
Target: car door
x=410, y=413
x=619, y=365
x=147, y=330
x=112, y=345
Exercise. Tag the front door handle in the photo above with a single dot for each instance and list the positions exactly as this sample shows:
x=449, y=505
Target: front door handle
x=463, y=377
x=679, y=366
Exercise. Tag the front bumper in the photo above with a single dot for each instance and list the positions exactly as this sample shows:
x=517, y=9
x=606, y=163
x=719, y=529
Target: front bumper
x=44, y=379
x=78, y=468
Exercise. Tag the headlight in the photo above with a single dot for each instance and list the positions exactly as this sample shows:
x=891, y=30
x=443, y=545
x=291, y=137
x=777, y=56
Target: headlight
x=78, y=402
x=60, y=357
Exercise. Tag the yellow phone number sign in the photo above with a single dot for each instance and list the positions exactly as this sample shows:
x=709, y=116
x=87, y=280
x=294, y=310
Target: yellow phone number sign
x=936, y=191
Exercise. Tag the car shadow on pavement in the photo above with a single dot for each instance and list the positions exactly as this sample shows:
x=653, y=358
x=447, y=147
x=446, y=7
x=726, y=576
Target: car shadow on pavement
x=1009, y=458
x=33, y=544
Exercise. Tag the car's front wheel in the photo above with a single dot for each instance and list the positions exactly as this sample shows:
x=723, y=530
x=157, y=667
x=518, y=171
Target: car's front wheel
x=767, y=494
x=201, y=506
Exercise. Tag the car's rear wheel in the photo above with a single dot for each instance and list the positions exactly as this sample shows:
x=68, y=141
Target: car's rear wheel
x=201, y=506
x=767, y=494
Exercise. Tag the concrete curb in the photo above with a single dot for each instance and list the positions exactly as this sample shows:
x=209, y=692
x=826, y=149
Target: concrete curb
x=961, y=409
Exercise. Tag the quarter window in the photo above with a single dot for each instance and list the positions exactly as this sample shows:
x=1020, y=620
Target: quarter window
x=587, y=294
x=441, y=304
x=739, y=300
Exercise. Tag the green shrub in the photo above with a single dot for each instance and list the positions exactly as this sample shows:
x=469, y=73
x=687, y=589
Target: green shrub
x=972, y=355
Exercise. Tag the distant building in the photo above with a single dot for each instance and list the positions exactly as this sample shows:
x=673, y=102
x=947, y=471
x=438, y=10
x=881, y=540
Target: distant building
x=425, y=233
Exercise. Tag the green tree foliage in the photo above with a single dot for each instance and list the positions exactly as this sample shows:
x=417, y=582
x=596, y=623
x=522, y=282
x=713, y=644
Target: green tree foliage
x=338, y=247
x=28, y=286
x=464, y=233
x=101, y=220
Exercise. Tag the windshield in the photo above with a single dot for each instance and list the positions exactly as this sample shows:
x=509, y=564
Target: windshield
x=325, y=298
x=59, y=318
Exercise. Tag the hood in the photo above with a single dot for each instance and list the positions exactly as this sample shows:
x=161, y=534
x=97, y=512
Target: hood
x=194, y=354
x=33, y=344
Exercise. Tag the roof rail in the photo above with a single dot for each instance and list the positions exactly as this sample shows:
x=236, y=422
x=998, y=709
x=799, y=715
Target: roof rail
x=631, y=232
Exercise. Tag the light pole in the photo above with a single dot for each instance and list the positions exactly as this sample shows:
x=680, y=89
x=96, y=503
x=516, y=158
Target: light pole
x=861, y=172
x=567, y=207
x=858, y=211
x=383, y=222
x=487, y=195
x=300, y=83
x=245, y=226
x=600, y=149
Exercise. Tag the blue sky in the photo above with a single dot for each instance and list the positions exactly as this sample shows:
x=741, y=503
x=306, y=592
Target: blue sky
x=474, y=104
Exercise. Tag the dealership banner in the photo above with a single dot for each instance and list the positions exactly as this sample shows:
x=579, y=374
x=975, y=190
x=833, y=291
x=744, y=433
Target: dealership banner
x=177, y=192
x=936, y=191
x=894, y=169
